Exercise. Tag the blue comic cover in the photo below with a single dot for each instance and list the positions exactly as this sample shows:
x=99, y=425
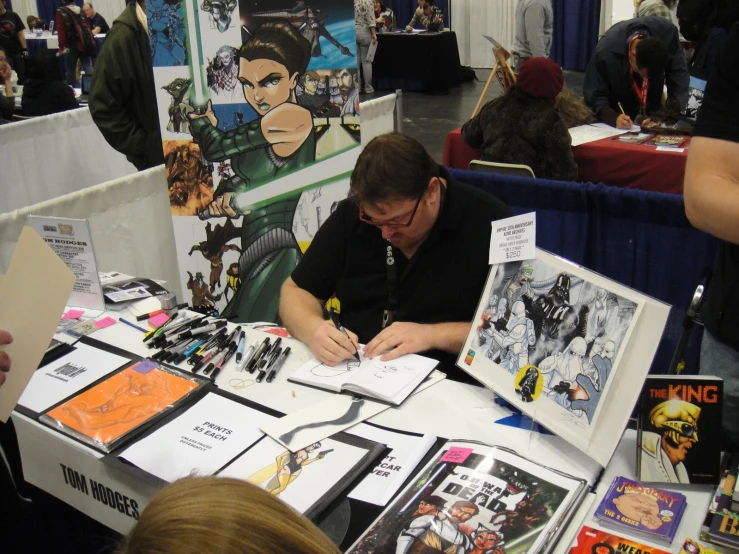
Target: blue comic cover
x=644, y=510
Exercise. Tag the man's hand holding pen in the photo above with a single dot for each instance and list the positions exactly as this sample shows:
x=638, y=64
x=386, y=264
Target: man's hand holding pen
x=331, y=346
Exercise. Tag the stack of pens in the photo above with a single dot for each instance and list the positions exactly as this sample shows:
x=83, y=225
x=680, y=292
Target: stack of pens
x=206, y=345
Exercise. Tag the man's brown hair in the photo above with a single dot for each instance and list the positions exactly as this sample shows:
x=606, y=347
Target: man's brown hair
x=392, y=167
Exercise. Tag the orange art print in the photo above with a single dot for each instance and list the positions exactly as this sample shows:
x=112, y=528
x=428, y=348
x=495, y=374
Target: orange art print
x=123, y=402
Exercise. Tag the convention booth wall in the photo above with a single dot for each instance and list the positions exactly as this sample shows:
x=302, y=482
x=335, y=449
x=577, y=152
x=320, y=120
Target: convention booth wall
x=638, y=238
x=50, y=156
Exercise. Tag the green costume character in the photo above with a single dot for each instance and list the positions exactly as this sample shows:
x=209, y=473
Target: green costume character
x=281, y=140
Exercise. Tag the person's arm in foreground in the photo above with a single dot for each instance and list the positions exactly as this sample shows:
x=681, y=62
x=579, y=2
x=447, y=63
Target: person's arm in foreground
x=5, y=338
x=302, y=314
x=403, y=337
x=472, y=131
x=711, y=188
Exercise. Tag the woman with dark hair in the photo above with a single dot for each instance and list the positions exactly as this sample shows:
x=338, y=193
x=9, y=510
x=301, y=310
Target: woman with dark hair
x=279, y=141
x=524, y=127
x=45, y=92
x=384, y=17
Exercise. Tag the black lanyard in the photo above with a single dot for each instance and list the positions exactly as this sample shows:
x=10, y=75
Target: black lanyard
x=388, y=316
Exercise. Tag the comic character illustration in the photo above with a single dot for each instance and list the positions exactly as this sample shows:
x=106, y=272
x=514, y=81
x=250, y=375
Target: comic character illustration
x=288, y=467
x=281, y=140
x=439, y=532
x=527, y=384
x=178, y=106
x=561, y=369
x=223, y=72
x=519, y=286
x=602, y=313
x=639, y=507
x=214, y=247
x=201, y=296
x=530, y=512
x=516, y=339
x=190, y=182
x=233, y=281
x=349, y=91
x=664, y=451
x=560, y=321
x=335, y=98
x=220, y=12
x=486, y=541
x=166, y=32
x=311, y=98
x=310, y=22
x=224, y=170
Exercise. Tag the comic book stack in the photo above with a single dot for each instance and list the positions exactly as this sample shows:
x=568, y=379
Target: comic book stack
x=476, y=498
x=721, y=524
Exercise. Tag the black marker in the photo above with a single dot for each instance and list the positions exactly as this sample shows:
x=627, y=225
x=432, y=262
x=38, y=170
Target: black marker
x=240, y=349
x=258, y=355
x=278, y=364
x=335, y=318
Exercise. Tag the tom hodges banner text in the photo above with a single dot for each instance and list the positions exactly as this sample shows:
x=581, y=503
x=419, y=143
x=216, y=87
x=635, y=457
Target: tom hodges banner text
x=259, y=113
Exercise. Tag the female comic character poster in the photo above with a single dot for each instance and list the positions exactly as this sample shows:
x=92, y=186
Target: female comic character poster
x=259, y=114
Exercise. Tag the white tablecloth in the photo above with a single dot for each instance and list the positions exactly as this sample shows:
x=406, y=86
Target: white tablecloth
x=52, y=41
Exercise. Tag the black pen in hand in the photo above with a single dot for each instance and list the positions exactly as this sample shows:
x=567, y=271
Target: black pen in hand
x=335, y=318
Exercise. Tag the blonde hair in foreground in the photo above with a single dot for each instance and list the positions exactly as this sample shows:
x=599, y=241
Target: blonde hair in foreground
x=213, y=515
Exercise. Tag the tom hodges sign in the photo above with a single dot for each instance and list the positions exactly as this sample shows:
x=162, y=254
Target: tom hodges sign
x=258, y=101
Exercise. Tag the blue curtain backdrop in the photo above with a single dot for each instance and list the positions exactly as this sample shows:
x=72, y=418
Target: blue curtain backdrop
x=403, y=10
x=47, y=8
x=576, y=24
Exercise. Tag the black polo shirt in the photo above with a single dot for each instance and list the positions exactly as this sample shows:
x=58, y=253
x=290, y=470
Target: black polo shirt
x=443, y=281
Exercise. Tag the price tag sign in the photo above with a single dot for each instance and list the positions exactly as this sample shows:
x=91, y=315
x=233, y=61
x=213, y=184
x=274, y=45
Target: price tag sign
x=456, y=455
x=513, y=239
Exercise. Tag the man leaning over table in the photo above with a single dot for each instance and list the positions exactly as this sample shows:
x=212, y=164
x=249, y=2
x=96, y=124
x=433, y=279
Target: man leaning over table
x=631, y=64
x=712, y=205
x=411, y=241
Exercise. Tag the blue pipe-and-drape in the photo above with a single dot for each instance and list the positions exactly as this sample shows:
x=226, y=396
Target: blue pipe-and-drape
x=47, y=8
x=576, y=26
x=638, y=238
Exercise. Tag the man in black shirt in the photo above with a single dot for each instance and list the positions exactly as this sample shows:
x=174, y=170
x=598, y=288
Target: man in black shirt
x=99, y=25
x=712, y=205
x=411, y=243
x=13, y=41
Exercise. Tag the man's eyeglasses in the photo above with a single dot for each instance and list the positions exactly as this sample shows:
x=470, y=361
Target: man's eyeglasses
x=367, y=219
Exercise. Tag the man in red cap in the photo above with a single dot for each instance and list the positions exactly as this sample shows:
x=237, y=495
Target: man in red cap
x=524, y=127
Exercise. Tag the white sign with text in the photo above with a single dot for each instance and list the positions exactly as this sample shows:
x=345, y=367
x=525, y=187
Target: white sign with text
x=513, y=239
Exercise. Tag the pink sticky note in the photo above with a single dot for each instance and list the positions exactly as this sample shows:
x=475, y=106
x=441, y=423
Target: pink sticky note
x=73, y=314
x=456, y=455
x=158, y=320
x=105, y=322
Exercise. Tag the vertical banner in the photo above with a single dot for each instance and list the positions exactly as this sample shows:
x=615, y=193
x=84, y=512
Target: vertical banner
x=259, y=113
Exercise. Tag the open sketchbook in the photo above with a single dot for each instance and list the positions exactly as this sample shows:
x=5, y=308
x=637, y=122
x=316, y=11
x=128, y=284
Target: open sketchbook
x=390, y=382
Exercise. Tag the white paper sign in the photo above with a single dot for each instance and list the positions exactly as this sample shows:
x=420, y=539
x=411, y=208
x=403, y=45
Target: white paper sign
x=72, y=242
x=201, y=441
x=392, y=471
x=669, y=149
x=513, y=239
x=68, y=375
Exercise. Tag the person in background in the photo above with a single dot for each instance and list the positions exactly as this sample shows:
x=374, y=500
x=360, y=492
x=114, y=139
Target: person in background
x=34, y=23
x=223, y=516
x=534, y=26
x=706, y=24
x=99, y=25
x=5, y=338
x=45, y=92
x=524, y=127
x=364, y=26
x=573, y=109
x=123, y=101
x=402, y=205
x=631, y=64
x=7, y=100
x=661, y=8
x=422, y=15
x=68, y=16
x=711, y=193
x=13, y=41
x=384, y=17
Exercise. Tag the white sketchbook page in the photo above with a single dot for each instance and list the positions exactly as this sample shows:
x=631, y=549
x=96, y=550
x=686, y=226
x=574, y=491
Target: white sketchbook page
x=327, y=465
x=388, y=380
x=326, y=377
x=570, y=425
x=391, y=472
x=310, y=425
x=200, y=441
x=68, y=375
x=590, y=133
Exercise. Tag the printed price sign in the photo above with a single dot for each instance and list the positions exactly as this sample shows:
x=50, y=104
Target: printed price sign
x=513, y=239
x=456, y=455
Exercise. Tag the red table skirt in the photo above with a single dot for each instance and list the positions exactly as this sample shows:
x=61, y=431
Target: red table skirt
x=606, y=161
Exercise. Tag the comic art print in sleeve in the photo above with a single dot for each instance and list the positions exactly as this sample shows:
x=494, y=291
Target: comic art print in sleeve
x=557, y=332
x=249, y=94
x=491, y=503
